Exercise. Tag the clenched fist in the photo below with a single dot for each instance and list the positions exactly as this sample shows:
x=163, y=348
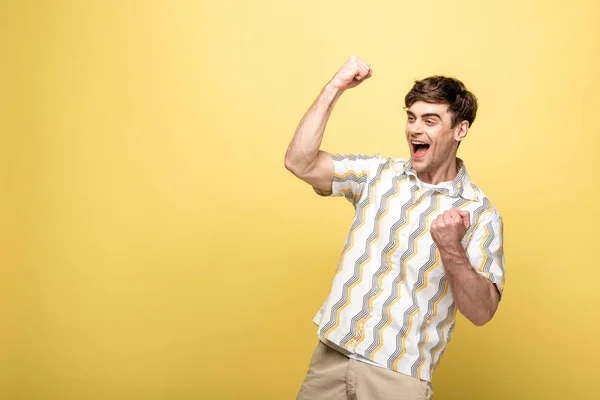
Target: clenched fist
x=448, y=229
x=352, y=73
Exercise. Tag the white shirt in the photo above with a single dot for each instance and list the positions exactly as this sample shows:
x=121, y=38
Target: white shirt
x=390, y=303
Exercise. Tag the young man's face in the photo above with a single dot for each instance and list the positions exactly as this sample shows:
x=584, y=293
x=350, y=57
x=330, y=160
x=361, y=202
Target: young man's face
x=431, y=138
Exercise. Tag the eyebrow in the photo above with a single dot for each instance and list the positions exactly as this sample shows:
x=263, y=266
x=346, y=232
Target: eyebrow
x=424, y=115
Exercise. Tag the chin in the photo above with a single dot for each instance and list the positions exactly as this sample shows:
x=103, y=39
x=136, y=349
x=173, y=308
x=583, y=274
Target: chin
x=419, y=166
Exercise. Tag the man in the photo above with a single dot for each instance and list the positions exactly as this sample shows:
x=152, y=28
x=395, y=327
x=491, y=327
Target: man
x=425, y=242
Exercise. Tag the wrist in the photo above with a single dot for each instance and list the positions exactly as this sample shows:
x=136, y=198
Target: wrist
x=332, y=91
x=454, y=254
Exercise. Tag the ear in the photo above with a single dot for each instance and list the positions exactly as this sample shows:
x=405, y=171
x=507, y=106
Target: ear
x=461, y=130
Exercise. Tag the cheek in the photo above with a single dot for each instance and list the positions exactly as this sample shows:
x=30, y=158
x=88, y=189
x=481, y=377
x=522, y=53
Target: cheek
x=435, y=135
x=435, y=132
x=443, y=139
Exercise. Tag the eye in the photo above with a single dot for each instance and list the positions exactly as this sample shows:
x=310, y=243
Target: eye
x=430, y=122
x=411, y=118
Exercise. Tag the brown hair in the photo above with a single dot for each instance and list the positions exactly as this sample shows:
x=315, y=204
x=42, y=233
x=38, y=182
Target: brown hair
x=462, y=104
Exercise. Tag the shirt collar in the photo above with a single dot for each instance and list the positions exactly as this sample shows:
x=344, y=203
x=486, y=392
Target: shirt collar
x=460, y=186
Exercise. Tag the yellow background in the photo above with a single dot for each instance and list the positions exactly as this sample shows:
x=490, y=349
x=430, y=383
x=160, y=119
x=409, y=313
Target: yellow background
x=154, y=246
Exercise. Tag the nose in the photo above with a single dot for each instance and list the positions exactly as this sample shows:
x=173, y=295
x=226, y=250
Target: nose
x=414, y=128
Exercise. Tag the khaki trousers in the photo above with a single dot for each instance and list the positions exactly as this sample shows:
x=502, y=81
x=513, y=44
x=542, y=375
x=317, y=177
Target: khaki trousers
x=333, y=376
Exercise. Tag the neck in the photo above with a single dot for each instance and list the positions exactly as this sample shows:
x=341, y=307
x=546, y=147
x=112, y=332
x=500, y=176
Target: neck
x=443, y=173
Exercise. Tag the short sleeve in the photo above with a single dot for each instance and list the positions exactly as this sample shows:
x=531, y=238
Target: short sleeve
x=350, y=175
x=486, y=249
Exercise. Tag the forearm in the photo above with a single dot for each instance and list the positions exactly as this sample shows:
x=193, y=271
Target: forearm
x=474, y=295
x=304, y=148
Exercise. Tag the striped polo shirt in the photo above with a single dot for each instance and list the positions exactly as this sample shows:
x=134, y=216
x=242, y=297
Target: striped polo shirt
x=390, y=302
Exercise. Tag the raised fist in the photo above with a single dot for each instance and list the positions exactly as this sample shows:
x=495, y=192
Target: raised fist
x=352, y=73
x=448, y=229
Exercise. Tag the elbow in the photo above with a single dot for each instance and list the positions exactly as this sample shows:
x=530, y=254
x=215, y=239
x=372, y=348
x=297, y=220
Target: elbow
x=289, y=162
x=483, y=318
x=290, y=165
x=480, y=321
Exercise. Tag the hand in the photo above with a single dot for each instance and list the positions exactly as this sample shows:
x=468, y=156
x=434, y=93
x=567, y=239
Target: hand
x=448, y=229
x=352, y=74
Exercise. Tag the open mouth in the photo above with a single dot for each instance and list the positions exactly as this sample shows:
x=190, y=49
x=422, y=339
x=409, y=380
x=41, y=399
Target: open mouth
x=419, y=149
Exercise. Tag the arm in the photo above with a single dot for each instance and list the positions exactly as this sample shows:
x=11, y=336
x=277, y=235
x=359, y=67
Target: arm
x=475, y=296
x=304, y=157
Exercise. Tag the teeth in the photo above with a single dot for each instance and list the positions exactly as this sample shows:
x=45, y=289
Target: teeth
x=415, y=142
